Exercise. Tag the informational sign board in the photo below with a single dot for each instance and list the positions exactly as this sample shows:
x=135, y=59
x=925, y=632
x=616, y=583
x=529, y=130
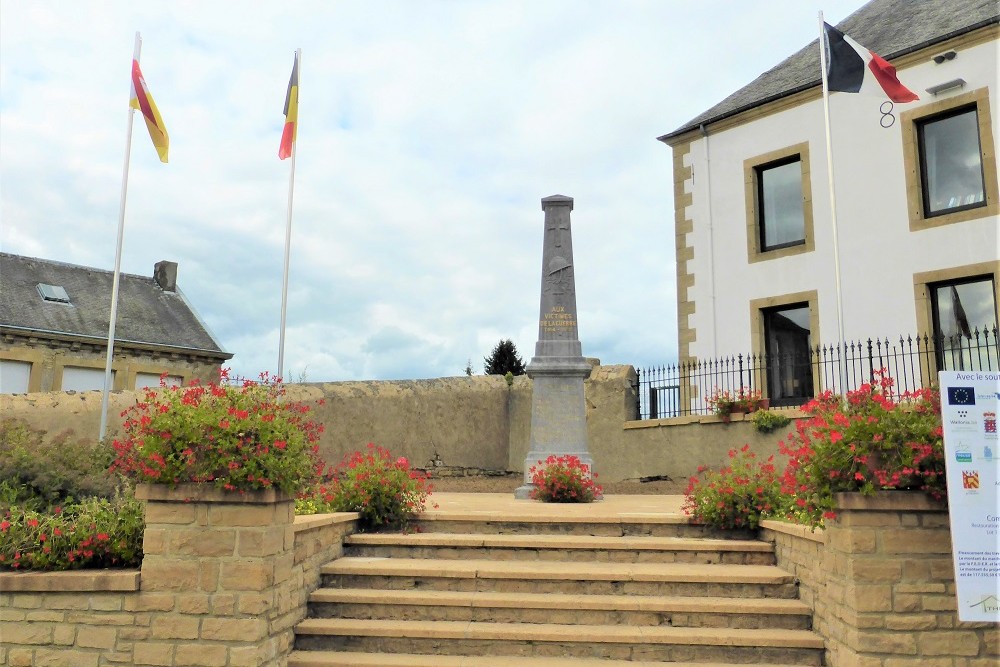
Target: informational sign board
x=969, y=407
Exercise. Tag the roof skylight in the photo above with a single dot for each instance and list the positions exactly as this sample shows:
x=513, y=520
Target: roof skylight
x=56, y=293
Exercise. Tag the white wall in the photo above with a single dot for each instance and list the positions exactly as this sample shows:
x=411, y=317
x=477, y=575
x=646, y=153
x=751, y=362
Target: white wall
x=878, y=252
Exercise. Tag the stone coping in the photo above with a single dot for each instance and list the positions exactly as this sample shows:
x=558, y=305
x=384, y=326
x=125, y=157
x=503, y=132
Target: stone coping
x=74, y=581
x=889, y=501
x=791, y=413
x=795, y=530
x=183, y=493
x=312, y=521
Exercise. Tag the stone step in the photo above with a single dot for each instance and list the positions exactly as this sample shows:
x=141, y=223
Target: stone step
x=589, y=548
x=353, y=659
x=633, y=610
x=660, y=525
x=657, y=643
x=555, y=577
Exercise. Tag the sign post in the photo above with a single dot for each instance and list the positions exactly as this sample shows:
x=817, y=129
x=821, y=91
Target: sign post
x=969, y=407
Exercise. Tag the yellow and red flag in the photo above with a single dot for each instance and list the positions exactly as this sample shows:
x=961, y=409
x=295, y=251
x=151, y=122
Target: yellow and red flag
x=291, y=113
x=143, y=101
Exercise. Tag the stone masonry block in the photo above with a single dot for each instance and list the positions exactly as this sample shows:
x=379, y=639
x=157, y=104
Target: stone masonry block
x=920, y=661
x=108, y=602
x=223, y=604
x=855, y=541
x=193, y=603
x=66, y=601
x=65, y=635
x=21, y=657
x=950, y=643
x=174, y=626
x=939, y=603
x=43, y=615
x=905, y=602
x=246, y=575
x=849, y=519
x=200, y=655
x=169, y=513
x=887, y=642
x=869, y=597
x=991, y=637
x=208, y=575
x=242, y=515
x=875, y=569
x=203, y=543
x=255, y=603
x=27, y=633
x=233, y=629
x=910, y=622
x=63, y=658
x=103, y=638
x=283, y=565
x=916, y=569
x=261, y=542
x=903, y=542
x=159, y=574
x=146, y=601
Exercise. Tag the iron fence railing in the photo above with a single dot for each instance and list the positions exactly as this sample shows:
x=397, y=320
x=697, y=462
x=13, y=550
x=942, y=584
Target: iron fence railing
x=677, y=390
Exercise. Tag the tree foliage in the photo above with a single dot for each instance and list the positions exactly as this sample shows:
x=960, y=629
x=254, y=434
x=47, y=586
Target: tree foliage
x=504, y=359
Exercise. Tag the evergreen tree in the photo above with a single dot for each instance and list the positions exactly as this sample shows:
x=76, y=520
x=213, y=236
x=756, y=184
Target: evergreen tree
x=504, y=359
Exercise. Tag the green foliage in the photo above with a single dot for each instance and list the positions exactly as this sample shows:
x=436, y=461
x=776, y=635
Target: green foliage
x=239, y=438
x=863, y=443
x=504, y=359
x=765, y=421
x=91, y=533
x=563, y=479
x=385, y=491
x=39, y=472
x=738, y=495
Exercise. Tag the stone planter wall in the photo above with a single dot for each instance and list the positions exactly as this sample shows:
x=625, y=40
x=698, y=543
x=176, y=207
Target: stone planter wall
x=882, y=585
x=224, y=579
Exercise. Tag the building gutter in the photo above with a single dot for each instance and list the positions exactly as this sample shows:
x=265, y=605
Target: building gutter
x=103, y=342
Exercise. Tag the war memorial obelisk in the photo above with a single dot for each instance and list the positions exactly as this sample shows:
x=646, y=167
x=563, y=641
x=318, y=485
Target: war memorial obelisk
x=558, y=369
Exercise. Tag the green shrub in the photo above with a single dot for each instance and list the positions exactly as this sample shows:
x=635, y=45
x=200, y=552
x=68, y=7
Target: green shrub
x=563, y=479
x=864, y=442
x=91, y=533
x=765, y=421
x=241, y=438
x=42, y=472
x=385, y=491
x=738, y=495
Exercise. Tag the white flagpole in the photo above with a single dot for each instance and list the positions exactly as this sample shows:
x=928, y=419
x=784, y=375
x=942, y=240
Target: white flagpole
x=118, y=253
x=833, y=206
x=288, y=223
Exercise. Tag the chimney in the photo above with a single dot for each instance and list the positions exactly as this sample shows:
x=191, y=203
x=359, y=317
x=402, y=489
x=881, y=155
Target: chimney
x=165, y=275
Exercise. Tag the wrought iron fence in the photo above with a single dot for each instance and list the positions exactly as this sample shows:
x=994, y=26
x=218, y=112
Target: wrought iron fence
x=677, y=390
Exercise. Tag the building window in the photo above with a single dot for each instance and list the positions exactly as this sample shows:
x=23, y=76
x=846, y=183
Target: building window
x=951, y=166
x=949, y=161
x=14, y=376
x=964, y=316
x=787, y=342
x=779, y=204
x=144, y=380
x=76, y=378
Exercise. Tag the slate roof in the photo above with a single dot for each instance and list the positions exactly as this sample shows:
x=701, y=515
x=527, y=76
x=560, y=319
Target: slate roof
x=146, y=313
x=890, y=28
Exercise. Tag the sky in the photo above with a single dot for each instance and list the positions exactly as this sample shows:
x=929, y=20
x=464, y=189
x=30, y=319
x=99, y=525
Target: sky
x=429, y=131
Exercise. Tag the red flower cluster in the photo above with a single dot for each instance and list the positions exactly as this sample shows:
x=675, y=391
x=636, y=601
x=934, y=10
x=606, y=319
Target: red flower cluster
x=564, y=479
x=737, y=495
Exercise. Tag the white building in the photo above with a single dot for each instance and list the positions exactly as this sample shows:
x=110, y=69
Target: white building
x=917, y=205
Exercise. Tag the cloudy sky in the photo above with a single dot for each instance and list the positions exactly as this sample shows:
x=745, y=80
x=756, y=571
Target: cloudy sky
x=429, y=132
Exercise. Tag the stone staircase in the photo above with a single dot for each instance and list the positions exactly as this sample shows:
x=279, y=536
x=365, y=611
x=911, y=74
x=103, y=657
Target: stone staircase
x=554, y=591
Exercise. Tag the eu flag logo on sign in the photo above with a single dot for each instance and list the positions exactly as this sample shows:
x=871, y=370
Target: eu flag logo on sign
x=961, y=396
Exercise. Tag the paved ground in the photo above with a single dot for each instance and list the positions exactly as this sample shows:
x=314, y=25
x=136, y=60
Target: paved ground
x=507, y=484
x=503, y=506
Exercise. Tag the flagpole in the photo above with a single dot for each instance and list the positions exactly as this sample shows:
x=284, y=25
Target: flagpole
x=288, y=232
x=833, y=205
x=118, y=254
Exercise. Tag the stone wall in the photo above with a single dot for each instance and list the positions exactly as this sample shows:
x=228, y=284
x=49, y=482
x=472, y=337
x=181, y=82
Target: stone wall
x=224, y=579
x=477, y=422
x=881, y=583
